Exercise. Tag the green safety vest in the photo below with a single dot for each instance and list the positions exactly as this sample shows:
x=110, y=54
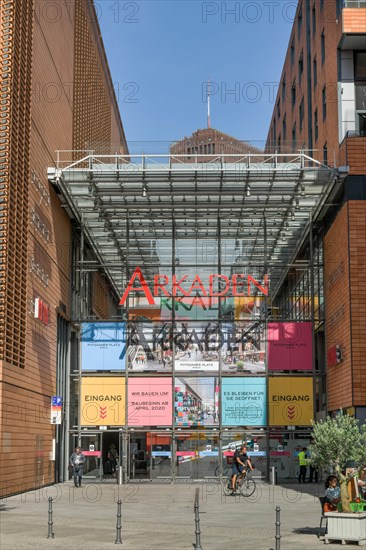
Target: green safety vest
x=302, y=458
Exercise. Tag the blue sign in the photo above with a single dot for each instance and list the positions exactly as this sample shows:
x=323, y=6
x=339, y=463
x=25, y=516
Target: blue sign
x=243, y=401
x=161, y=453
x=103, y=346
x=56, y=401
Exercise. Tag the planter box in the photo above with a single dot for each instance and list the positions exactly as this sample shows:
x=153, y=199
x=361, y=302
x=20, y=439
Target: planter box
x=346, y=527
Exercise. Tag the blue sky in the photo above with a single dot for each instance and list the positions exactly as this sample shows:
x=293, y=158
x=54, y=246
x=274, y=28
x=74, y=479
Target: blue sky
x=161, y=54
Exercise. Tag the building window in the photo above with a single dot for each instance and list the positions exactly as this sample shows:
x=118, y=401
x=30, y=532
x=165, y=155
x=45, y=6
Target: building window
x=292, y=52
x=209, y=148
x=278, y=109
x=279, y=144
x=294, y=137
x=325, y=153
x=324, y=102
x=301, y=113
x=284, y=129
x=313, y=18
x=200, y=149
x=213, y=148
x=360, y=90
x=315, y=71
x=316, y=127
x=301, y=66
x=322, y=46
x=299, y=23
x=293, y=94
x=321, y=4
x=205, y=149
x=283, y=89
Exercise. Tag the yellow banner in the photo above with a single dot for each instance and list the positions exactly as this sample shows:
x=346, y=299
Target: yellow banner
x=290, y=401
x=103, y=401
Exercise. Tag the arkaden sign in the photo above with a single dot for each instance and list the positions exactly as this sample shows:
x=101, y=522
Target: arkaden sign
x=164, y=285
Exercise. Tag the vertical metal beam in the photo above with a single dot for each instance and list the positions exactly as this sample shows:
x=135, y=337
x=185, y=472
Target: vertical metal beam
x=173, y=447
x=311, y=253
x=267, y=300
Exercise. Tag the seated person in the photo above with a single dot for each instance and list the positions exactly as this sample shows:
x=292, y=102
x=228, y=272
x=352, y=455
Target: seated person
x=332, y=494
x=362, y=484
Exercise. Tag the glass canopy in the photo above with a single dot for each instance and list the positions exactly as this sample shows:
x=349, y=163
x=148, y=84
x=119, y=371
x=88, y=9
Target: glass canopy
x=165, y=214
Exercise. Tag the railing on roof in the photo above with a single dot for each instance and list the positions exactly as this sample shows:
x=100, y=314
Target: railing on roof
x=354, y=3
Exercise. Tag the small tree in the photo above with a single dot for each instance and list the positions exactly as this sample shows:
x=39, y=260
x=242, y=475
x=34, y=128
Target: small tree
x=335, y=442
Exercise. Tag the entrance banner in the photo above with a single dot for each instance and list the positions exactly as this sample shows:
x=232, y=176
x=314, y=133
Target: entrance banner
x=243, y=402
x=290, y=346
x=103, y=346
x=102, y=401
x=149, y=401
x=196, y=401
x=290, y=401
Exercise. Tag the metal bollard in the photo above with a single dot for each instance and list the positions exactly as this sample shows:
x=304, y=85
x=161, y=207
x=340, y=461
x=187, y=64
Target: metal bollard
x=119, y=522
x=197, y=520
x=51, y=534
x=278, y=528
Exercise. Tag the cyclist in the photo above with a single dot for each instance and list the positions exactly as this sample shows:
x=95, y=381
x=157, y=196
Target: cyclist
x=241, y=462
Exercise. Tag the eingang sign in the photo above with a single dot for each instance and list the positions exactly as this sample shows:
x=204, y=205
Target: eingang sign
x=161, y=282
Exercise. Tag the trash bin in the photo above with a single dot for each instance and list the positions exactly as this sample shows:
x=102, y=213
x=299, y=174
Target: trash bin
x=273, y=475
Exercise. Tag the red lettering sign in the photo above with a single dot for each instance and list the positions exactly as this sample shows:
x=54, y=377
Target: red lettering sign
x=161, y=281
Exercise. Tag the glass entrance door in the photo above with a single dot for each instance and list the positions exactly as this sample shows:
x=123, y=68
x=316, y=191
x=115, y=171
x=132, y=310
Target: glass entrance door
x=91, y=445
x=197, y=455
x=149, y=455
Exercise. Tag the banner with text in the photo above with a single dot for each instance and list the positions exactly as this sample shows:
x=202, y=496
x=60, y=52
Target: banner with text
x=102, y=401
x=290, y=401
x=149, y=401
x=103, y=346
x=243, y=402
x=290, y=346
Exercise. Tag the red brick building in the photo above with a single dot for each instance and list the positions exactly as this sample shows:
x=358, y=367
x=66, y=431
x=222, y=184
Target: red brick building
x=320, y=106
x=57, y=93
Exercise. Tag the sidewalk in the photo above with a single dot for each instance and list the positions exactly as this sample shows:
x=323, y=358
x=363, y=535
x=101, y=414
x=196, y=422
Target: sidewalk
x=161, y=516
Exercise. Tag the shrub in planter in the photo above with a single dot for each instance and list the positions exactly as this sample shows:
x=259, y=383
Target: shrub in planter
x=337, y=441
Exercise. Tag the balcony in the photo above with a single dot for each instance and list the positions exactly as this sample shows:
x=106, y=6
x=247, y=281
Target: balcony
x=352, y=153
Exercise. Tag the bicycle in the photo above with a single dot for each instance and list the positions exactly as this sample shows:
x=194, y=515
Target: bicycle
x=244, y=483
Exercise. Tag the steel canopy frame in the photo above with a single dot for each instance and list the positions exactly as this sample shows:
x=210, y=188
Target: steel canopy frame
x=126, y=202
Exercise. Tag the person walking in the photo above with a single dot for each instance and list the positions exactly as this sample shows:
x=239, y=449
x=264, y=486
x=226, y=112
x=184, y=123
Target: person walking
x=303, y=465
x=113, y=457
x=77, y=460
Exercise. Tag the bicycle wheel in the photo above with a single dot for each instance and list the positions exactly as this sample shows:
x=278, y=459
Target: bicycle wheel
x=226, y=486
x=247, y=487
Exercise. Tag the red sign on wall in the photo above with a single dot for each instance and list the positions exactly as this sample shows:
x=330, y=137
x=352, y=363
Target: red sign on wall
x=334, y=356
x=41, y=311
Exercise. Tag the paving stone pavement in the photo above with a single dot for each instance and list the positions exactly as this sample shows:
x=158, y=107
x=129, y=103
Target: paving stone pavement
x=161, y=516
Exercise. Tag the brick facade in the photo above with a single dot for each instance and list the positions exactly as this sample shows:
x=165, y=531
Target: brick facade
x=65, y=101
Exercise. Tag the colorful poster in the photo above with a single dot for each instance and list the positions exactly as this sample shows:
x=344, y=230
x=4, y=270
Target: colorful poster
x=197, y=346
x=102, y=401
x=290, y=401
x=196, y=401
x=150, y=347
x=243, y=347
x=103, y=346
x=290, y=346
x=149, y=401
x=243, y=402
